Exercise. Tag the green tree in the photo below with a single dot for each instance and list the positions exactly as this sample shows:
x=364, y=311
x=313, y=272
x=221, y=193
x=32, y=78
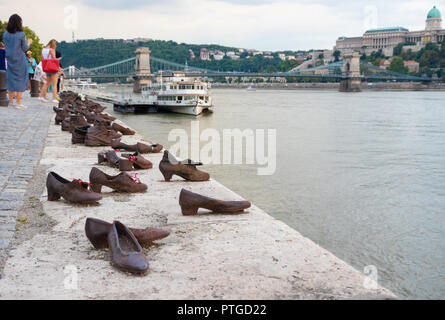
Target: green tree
x=398, y=49
x=36, y=47
x=336, y=55
x=397, y=65
x=377, y=61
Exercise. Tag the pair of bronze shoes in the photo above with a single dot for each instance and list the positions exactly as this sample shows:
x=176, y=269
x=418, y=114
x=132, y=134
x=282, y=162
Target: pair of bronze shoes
x=129, y=161
x=191, y=202
x=72, y=121
x=124, y=243
x=75, y=191
x=78, y=191
x=186, y=169
x=100, y=135
x=139, y=147
x=123, y=182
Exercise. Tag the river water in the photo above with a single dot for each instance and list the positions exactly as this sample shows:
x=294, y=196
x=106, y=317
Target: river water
x=362, y=175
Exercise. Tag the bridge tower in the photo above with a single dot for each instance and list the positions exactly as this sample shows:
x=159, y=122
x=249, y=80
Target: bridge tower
x=351, y=71
x=143, y=75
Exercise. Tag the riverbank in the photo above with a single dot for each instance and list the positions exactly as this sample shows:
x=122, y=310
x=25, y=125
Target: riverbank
x=246, y=256
x=378, y=86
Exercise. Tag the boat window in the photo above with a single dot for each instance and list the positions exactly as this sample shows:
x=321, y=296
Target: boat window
x=201, y=98
x=179, y=98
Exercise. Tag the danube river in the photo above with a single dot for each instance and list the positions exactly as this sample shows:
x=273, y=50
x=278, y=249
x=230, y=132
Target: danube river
x=362, y=175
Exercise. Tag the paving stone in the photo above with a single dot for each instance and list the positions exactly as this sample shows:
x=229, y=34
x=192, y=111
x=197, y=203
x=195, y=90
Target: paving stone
x=8, y=164
x=4, y=243
x=7, y=227
x=12, y=196
x=11, y=205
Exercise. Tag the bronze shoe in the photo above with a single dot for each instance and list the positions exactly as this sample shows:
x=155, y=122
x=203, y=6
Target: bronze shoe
x=75, y=191
x=126, y=252
x=113, y=160
x=97, y=230
x=190, y=203
x=79, y=134
x=123, y=130
x=117, y=144
x=145, y=148
x=99, y=135
x=169, y=166
x=66, y=123
x=61, y=114
x=77, y=120
x=89, y=116
x=123, y=182
x=138, y=161
x=139, y=147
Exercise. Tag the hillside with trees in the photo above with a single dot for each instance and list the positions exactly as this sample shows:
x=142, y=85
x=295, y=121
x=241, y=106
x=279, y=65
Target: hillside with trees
x=431, y=59
x=92, y=53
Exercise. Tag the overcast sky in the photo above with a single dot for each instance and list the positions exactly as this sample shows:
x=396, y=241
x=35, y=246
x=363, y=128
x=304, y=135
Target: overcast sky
x=261, y=24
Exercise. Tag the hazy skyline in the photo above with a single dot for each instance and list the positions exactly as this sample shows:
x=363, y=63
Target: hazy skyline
x=262, y=24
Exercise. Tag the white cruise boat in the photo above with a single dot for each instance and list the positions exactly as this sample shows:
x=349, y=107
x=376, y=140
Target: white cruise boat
x=179, y=94
x=85, y=84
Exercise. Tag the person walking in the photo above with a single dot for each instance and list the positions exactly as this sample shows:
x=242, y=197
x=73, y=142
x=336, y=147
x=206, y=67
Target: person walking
x=49, y=52
x=61, y=74
x=32, y=64
x=16, y=72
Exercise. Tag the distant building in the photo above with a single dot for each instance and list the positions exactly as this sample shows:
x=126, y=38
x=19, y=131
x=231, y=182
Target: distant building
x=204, y=54
x=282, y=56
x=384, y=64
x=192, y=54
x=136, y=40
x=299, y=59
x=413, y=66
x=387, y=39
x=218, y=56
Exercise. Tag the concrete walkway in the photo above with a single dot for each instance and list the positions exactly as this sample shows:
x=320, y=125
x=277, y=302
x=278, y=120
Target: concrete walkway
x=22, y=136
x=246, y=256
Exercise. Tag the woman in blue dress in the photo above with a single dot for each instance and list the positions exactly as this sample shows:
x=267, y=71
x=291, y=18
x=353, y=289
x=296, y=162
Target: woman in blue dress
x=17, y=71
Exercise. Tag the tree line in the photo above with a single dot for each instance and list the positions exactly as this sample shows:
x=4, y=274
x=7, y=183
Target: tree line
x=93, y=53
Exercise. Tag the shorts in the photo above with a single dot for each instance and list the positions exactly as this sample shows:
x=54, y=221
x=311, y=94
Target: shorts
x=31, y=76
x=50, y=74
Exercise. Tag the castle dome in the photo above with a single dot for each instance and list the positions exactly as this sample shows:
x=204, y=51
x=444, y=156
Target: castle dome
x=434, y=13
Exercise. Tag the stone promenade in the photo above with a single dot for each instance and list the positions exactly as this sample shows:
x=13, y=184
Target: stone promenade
x=244, y=256
x=22, y=137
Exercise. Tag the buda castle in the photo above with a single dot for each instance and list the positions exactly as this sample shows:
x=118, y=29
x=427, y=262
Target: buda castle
x=388, y=38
